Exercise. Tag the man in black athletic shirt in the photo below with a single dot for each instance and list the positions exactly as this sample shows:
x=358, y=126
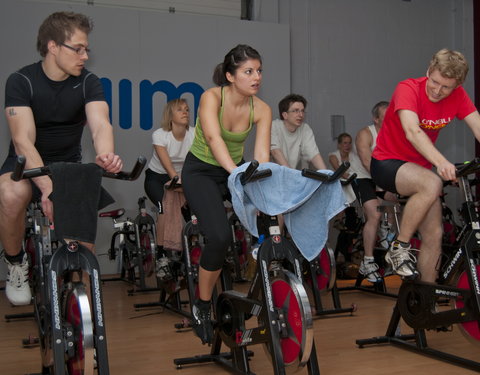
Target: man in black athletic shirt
x=47, y=105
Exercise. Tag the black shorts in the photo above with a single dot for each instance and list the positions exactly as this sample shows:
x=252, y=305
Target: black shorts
x=384, y=173
x=364, y=189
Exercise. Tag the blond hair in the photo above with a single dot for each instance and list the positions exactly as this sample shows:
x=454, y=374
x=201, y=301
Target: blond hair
x=166, y=122
x=450, y=64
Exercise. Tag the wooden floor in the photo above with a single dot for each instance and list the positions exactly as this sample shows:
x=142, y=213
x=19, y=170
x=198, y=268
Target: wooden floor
x=145, y=342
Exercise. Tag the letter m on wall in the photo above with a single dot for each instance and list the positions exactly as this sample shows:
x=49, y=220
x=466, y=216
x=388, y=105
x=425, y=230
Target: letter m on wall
x=147, y=90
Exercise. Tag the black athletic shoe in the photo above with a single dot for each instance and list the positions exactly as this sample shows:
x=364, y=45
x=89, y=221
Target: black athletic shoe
x=202, y=321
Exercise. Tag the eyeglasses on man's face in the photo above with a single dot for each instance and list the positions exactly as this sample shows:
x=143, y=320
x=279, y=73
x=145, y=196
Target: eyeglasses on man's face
x=78, y=50
x=297, y=111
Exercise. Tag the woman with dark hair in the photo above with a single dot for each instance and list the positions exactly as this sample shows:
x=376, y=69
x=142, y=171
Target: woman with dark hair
x=226, y=116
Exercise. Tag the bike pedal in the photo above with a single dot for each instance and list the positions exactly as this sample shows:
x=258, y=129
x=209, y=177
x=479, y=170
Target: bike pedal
x=30, y=342
x=444, y=329
x=183, y=325
x=413, y=277
x=443, y=302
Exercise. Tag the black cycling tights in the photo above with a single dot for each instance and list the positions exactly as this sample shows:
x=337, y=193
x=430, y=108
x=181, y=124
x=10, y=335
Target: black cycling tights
x=205, y=188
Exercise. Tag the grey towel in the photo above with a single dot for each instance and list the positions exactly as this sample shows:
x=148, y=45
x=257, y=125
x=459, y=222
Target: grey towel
x=77, y=196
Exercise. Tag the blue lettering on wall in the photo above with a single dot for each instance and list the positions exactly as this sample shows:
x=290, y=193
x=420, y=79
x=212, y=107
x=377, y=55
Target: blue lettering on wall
x=125, y=104
x=147, y=90
x=107, y=91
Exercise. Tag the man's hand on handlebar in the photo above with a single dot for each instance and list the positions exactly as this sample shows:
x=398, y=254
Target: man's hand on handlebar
x=47, y=207
x=110, y=162
x=447, y=171
x=44, y=183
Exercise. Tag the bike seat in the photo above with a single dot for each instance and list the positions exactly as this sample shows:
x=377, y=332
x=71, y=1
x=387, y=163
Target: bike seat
x=115, y=214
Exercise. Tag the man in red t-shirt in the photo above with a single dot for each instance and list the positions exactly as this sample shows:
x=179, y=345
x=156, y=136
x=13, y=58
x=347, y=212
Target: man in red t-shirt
x=405, y=153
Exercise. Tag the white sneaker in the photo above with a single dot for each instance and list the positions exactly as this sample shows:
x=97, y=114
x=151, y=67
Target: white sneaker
x=163, y=269
x=17, y=288
x=370, y=271
x=402, y=261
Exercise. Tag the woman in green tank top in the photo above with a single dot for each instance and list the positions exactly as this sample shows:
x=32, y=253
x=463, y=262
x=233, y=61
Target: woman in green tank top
x=226, y=116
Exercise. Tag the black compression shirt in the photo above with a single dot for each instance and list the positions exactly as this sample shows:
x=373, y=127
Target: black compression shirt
x=58, y=109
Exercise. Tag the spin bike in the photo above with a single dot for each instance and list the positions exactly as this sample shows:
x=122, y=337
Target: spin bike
x=240, y=247
x=28, y=245
x=379, y=287
x=185, y=266
x=71, y=330
x=171, y=287
x=276, y=298
x=420, y=303
x=134, y=243
x=321, y=275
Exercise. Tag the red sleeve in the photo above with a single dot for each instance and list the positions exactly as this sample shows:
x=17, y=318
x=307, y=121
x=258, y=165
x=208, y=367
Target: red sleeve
x=466, y=106
x=405, y=96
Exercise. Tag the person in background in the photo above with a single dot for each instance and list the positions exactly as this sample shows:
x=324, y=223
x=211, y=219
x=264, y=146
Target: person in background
x=171, y=144
x=342, y=153
x=366, y=190
x=347, y=220
x=293, y=140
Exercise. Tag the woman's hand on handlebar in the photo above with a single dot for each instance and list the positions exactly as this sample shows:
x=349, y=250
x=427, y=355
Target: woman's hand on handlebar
x=110, y=162
x=174, y=183
x=175, y=180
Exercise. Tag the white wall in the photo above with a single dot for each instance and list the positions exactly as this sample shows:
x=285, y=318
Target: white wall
x=141, y=45
x=346, y=55
x=226, y=8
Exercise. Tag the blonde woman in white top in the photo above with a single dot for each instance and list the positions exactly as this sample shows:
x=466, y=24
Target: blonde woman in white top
x=170, y=146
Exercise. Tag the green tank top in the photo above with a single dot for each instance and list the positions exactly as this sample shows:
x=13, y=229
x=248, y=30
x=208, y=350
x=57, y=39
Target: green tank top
x=235, y=141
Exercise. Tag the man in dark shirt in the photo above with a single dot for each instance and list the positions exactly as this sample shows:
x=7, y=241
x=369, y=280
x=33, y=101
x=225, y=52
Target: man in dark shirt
x=47, y=105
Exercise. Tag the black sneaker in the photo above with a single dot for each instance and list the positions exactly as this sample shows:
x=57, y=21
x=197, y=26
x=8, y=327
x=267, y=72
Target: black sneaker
x=202, y=321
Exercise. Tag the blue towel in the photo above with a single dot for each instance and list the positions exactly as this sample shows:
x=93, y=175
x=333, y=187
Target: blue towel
x=307, y=204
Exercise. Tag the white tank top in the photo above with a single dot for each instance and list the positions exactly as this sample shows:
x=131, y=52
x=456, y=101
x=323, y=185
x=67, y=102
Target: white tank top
x=356, y=165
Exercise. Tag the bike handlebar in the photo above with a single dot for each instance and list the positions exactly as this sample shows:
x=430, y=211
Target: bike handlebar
x=468, y=167
x=20, y=173
x=349, y=180
x=173, y=184
x=251, y=173
x=310, y=173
